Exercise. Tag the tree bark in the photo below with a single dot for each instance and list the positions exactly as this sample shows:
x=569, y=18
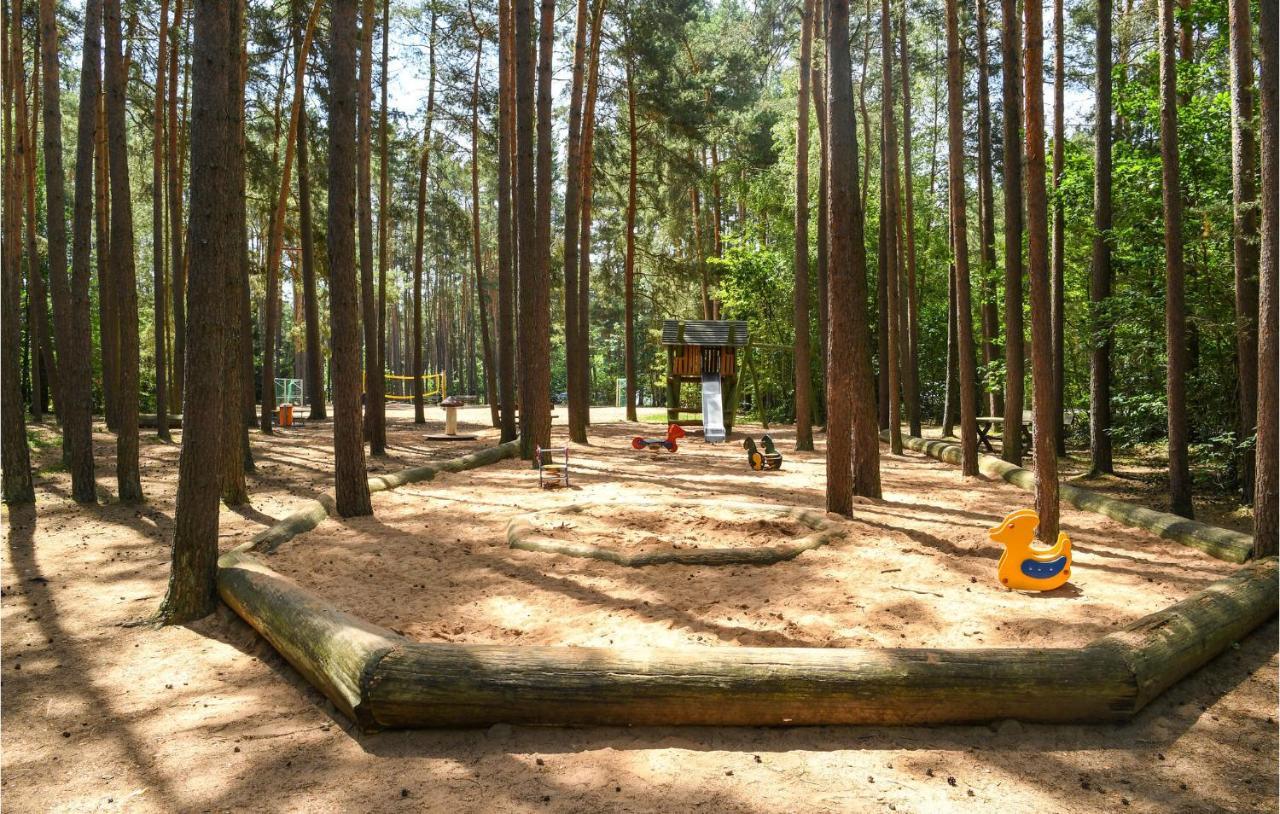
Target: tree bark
x=237, y=396
x=275, y=234
x=1058, y=289
x=1244, y=231
x=424, y=169
x=1267, y=479
x=506, y=236
x=177, y=223
x=803, y=375
x=71, y=321
x=1175, y=301
x=960, y=242
x=108, y=319
x=853, y=462
x=533, y=220
x=157, y=225
x=889, y=215
x=582, y=356
x=572, y=222
x=15, y=457
x=817, y=73
x=310, y=298
x=374, y=411
x=1100, y=276
x=352, y=486
x=379, y=384
x=482, y=300
x=986, y=219
x=1014, y=347
x=911, y=366
x=124, y=277
x=1042, y=391
x=951, y=385
x=215, y=257
x=629, y=297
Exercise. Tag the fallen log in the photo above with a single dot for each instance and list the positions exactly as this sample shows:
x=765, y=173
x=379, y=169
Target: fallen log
x=417, y=685
x=1224, y=544
x=1164, y=646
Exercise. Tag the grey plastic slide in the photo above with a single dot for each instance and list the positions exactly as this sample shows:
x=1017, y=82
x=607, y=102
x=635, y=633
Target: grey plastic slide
x=712, y=409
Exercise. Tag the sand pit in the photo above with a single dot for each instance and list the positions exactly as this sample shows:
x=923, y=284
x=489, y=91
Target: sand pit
x=912, y=570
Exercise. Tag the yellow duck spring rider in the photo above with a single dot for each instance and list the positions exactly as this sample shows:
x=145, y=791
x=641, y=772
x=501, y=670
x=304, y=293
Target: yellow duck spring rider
x=1026, y=565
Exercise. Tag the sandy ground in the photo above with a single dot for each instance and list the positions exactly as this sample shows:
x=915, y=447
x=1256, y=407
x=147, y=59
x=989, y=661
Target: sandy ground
x=102, y=717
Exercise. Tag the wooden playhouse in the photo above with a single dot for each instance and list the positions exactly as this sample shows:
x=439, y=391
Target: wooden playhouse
x=705, y=352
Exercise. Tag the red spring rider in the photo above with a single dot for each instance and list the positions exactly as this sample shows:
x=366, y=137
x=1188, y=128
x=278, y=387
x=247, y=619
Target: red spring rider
x=674, y=431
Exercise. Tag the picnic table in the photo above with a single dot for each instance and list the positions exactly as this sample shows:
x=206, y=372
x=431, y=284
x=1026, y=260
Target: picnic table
x=988, y=423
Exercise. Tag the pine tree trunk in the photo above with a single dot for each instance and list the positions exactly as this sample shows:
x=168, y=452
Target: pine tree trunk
x=424, y=169
x=373, y=412
x=352, y=485
x=1014, y=345
x=572, y=222
x=378, y=387
x=157, y=225
x=482, y=300
x=78, y=416
x=71, y=321
x=853, y=462
x=911, y=366
x=986, y=219
x=1100, y=271
x=629, y=297
x=235, y=289
x=882, y=306
x=1058, y=290
x=124, y=277
x=951, y=386
x=1175, y=301
x=275, y=233
x=177, y=224
x=215, y=257
x=582, y=354
x=1038, y=274
x=506, y=236
x=533, y=220
x=960, y=242
x=1267, y=479
x=803, y=377
x=108, y=319
x=817, y=73
x=15, y=457
x=310, y=298
x=25, y=168
x=890, y=217
x=1244, y=148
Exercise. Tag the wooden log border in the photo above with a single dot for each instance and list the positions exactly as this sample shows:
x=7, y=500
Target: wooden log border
x=381, y=679
x=522, y=534
x=1224, y=544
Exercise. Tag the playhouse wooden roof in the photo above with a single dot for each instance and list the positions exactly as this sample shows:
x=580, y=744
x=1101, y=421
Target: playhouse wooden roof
x=721, y=333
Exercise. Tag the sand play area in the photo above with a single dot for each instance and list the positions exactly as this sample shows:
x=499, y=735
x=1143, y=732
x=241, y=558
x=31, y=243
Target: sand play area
x=111, y=717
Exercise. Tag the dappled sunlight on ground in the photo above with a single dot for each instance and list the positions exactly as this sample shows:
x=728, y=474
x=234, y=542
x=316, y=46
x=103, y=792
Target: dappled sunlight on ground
x=102, y=717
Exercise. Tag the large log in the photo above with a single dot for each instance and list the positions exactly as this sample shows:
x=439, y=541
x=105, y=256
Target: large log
x=416, y=685
x=521, y=534
x=331, y=649
x=1232, y=546
x=1166, y=645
